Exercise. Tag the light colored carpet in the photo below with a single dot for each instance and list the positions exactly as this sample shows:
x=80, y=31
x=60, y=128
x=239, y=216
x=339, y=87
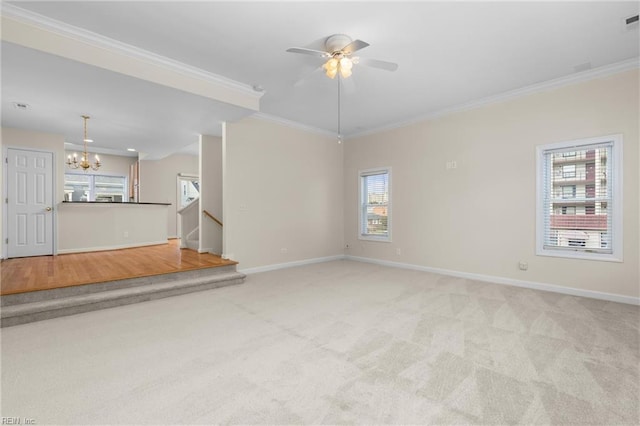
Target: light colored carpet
x=339, y=342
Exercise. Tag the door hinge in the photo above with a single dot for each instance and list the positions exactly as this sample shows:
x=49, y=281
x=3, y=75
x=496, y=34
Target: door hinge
x=6, y=160
x=6, y=241
x=6, y=200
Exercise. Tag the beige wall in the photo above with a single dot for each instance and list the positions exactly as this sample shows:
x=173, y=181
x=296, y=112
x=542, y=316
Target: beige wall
x=480, y=217
x=211, y=193
x=117, y=165
x=18, y=138
x=25, y=139
x=159, y=183
x=106, y=226
x=282, y=194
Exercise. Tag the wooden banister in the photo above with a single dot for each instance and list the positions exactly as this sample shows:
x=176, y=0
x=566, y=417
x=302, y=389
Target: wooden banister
x=206, y=213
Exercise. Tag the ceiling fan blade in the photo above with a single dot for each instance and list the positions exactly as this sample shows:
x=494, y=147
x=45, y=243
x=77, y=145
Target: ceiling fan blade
x=307, y=75
x=354, y=46
x=305, y=51
x=375, y=63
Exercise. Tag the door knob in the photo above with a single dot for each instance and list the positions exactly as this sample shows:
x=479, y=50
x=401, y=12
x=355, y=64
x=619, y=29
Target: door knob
x=48, y=209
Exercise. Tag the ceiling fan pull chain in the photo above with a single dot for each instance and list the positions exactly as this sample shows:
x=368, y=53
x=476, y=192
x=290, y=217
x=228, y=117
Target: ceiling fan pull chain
x=339, y=133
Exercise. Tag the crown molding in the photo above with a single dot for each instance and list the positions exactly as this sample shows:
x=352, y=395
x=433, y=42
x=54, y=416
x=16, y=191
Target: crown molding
x=579, y=77
x=292, y=124
x=96, y=40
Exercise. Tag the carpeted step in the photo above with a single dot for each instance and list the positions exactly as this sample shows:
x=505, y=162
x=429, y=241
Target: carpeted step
x=62, y=306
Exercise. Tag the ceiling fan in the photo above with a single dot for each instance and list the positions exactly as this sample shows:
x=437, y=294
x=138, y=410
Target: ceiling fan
x=339, y=50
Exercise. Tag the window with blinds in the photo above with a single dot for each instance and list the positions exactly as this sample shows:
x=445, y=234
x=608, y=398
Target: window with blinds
x=579, y=208
x=375, y=223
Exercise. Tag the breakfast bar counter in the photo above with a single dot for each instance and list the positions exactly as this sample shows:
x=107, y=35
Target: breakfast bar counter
x=98, y=225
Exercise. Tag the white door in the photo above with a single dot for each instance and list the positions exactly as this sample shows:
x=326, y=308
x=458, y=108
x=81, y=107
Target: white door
x=30, y=203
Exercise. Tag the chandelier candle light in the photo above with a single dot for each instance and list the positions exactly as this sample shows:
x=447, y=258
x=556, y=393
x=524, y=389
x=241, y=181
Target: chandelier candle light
x=84, y=163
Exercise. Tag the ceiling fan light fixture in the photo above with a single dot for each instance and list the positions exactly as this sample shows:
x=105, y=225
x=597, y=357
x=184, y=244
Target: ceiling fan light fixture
x=331, y=67
x=332, y=72
x=345, y=63
x=339, y=63
x=338, y=56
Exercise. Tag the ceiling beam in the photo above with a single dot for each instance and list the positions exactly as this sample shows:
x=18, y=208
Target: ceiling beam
x=35, y=31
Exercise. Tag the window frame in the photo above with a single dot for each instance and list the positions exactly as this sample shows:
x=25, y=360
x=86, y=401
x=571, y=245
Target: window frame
x=616, y=200
x=361, y=203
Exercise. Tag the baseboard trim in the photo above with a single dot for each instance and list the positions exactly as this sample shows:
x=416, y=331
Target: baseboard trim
x=286, y=265
x=105, y=248
x=505, y=281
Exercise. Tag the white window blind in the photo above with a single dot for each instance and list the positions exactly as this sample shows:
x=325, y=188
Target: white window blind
x=374, y=208
x=577, y=198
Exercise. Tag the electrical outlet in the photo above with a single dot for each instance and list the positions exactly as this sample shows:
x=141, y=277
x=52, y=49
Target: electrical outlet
x=346, y=246
x=523, y=266
x=283, y=250
x=126, y=234
x=398, y=251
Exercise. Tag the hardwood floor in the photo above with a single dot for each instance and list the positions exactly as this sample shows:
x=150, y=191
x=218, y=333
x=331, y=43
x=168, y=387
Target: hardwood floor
x=47, y=272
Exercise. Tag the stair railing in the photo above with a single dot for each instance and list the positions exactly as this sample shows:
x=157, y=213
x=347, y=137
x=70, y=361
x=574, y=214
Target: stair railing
x=210, y=216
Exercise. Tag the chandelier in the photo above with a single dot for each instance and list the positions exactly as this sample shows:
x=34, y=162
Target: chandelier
x=83, y=163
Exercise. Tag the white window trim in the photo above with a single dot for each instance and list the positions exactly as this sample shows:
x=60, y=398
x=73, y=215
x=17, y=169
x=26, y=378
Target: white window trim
x=362, y=237
x=616, y=154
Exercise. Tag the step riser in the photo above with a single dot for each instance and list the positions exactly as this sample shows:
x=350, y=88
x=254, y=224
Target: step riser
x=120, y=301
x=38, y=296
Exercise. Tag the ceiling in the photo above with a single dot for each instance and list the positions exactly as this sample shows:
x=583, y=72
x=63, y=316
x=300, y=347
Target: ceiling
x=449, y=54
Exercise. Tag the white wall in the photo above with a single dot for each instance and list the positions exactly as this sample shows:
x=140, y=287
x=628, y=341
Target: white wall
x=25, y=139
x=210, y=193
x=159, y=183
x=282, y=194
x=480, y=217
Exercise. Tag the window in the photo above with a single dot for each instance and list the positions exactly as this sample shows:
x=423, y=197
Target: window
x=583, y=221
x=569, y=171
x=577, y=243
x=85, y=187
x=569, y=191
x=188, y=189
x=375, y=206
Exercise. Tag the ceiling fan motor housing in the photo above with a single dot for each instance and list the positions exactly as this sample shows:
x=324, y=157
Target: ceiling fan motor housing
x=336, y=42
